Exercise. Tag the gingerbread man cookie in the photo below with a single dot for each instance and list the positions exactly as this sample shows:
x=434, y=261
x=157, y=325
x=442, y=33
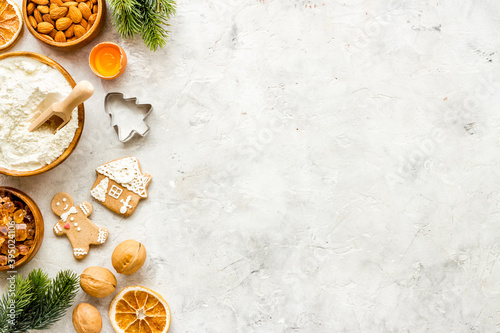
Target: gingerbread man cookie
x=120, y=185
x=74, y=223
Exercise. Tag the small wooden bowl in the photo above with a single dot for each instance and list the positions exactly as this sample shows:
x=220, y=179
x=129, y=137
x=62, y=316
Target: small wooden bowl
x=76, y=44
x=37, y=215
x=93, y=54
x=81, y=116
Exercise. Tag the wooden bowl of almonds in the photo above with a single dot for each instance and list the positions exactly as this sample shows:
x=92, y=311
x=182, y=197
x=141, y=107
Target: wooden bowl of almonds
x=64, y=24
x=21, y=228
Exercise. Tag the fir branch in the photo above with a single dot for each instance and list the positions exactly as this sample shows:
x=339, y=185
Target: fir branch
x=18, y=299
x=55, y=299
x=149, y=18
x=39, y=301
x=126, y=17
x=153, y=34
x=167, y=8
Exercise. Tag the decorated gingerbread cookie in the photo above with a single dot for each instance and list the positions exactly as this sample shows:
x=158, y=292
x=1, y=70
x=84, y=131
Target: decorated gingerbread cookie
x=120, y=185
x=74, y=223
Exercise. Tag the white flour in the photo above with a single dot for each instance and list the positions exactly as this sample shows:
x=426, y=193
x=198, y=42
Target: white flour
x=24, y=83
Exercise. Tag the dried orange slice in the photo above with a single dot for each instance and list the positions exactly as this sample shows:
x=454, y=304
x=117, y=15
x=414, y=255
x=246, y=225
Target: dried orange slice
x=139, y=310
x=10, y=23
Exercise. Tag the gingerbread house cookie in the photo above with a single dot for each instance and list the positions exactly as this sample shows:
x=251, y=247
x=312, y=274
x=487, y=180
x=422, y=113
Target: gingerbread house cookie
x=74, y=223
x=120, y=185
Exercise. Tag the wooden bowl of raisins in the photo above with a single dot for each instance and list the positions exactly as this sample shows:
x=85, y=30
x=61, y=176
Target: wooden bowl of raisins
x=21, y=228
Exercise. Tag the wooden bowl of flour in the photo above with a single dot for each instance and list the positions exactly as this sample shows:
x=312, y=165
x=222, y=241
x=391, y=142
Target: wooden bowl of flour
x=81, y=115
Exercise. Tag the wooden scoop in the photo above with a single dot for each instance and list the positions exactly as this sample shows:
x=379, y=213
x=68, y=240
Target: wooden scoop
x=60, y=112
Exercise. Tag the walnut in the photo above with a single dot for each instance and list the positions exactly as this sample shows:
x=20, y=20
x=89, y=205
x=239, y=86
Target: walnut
x=86, y=319
x=128, y=257
x=98, y=281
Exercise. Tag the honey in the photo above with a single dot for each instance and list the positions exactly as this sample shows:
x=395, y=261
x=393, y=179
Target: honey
x=107, y=61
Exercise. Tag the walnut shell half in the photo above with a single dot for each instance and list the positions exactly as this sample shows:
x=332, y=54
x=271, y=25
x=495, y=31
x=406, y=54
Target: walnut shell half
x=128, y=257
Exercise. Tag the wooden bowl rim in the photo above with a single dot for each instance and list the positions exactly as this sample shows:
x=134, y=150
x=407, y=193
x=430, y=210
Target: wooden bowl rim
x=38, y=223
x=81, y=115
x=65, y=45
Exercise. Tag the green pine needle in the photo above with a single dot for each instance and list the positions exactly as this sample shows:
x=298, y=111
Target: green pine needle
x=21, y=297
x=148, y=18
x=39, y=301
x=126, y=17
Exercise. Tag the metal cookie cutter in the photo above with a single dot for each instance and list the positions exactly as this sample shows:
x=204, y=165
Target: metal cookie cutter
x=127, y=116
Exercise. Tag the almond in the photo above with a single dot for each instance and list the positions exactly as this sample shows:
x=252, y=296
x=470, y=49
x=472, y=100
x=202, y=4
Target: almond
x=33, y=22
x=84, y=24
x=71, y=39
x=86, y=12
x=56, y=2
x=53, y=33
x=45, y=27
x=94, y=1
x=30, y=8
x=52, y=7
x=38, y=16
x=69, y=4
x=70, y=32
x=89, y=4
x=79, y=31
x=92, y=18
x=47, y=37
x=43, y=9
x=40, y=2
x=60, y=37
x=46, y=18
x=95, y=10
x=74, y=14
x=58, y=13
x=63, y=23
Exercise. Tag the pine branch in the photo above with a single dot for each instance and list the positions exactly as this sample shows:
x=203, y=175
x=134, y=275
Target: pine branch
x=149, y=18
x=39, y=301
x=18, y=299
x=167, y=8
x=126, y=17
x=153, y=34
x=57, y=297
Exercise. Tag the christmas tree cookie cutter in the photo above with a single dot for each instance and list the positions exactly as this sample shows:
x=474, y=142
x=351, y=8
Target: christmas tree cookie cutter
x=127, y=116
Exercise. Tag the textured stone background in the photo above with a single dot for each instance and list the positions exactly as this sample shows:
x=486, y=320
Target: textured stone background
x=318, y=166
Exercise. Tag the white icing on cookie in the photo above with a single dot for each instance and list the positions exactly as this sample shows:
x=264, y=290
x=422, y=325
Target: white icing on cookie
x=65, y=216
x=99, y=192
x=127, y=173
x=78, y=252
x=126, y=206
x=103, y=235
x=84, y=209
